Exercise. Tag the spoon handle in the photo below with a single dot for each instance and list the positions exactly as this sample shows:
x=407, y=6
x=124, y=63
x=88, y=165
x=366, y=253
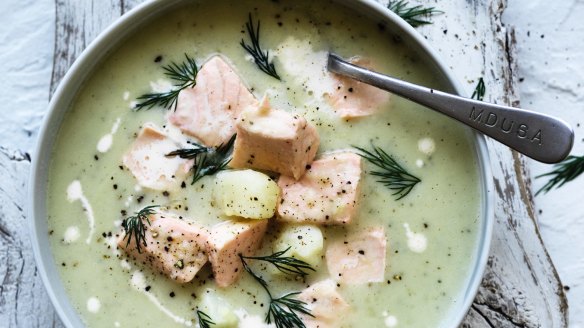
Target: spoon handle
x=544, y=138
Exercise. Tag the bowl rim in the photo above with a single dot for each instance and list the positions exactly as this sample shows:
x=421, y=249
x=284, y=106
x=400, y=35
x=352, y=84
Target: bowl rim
x=118, y=30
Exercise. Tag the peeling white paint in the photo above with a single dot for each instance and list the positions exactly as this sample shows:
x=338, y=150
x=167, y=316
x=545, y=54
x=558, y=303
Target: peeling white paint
x=551, y=66
x=26, y=54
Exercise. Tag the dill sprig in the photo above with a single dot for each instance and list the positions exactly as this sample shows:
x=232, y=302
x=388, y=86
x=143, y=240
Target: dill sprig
x=284, y=310
x=392, y=175
x=190, y=153
x=566, y=171
x=260, y=57
x=134, y=226
x=479, y=91
x=205, y=320
x=208, y=160
x=286, y=264
x=413, y=15
x=213, y=161
x=184, y=74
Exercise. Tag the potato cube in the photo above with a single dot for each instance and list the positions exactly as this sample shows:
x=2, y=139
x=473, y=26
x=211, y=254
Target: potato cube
x=220, y=311
x=247, y=193
x=305, y=242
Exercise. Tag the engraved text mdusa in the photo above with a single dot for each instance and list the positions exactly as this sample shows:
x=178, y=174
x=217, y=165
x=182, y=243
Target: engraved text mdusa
x=492, y=120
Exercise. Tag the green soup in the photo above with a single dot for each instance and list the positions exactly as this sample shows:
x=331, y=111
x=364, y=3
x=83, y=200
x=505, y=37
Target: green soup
x=87, y=181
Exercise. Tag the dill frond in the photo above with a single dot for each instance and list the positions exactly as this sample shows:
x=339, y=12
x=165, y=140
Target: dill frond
x=207, y=160
x=479, y=91
x=184, y=74
x=260, y=57
x=134, y=226
x=285, y=264
x=205, y=320
x=392, y=175
x=564, y=172
x=413, y=15
x=163, y=99
x=283, y=311
x=190, y=153
x=258, y=278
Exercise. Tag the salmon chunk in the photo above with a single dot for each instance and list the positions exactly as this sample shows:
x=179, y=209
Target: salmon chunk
x=325, y=304
x=351, y=98
x=208, y=111
x=174, y=247
x=358, y=259
x=147, y=160
x=229, y=239
x=327, y=194
x=274, y=140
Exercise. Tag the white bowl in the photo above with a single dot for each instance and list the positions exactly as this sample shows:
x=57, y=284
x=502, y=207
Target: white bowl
x=125, y=26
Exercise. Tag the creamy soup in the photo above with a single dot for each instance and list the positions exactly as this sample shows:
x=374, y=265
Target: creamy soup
x=430, y=233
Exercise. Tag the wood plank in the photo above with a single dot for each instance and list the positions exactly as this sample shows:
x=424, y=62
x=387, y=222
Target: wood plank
x=520, y=287
x=77, y=23
x=23, y=300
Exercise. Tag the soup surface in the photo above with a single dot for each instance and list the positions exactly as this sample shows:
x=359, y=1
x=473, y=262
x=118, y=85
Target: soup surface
x=431, y=232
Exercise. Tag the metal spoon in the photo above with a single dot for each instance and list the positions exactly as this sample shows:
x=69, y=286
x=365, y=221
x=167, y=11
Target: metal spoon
x=544, y=138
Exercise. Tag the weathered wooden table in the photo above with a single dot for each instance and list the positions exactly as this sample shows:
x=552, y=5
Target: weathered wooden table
x=520, y=288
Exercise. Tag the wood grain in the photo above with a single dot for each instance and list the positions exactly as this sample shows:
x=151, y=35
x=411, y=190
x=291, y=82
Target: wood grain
x=23, y=300
x=77, y=23
x=520, y=288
